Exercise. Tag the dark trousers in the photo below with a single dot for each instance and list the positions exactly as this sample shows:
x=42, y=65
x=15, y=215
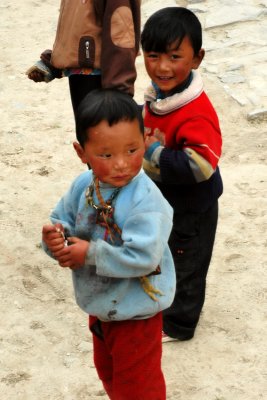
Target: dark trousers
x=80, y=85
x=191, y=243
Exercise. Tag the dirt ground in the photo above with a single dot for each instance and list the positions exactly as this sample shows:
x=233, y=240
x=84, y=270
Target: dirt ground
x=45, y=346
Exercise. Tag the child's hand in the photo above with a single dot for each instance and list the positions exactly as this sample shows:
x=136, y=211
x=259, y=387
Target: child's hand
x=53, y=237
x=149, y=140
x=73, y=256
x=157, y=136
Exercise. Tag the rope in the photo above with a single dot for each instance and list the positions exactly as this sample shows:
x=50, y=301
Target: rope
x=106, y=212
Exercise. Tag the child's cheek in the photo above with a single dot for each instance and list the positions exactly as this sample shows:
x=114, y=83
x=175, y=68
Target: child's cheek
x=138, y=161
x=100, y=167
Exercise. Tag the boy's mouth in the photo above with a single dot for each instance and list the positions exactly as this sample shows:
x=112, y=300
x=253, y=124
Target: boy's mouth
x=119, y=177
x=164, y=78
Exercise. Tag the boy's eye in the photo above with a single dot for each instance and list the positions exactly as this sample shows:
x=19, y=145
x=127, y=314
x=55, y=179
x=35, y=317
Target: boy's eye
x=105, y=155
x=152, y=55
x=131, y=151
x=174, y=56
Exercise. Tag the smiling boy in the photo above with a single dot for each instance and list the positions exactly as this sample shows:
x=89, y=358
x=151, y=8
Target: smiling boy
x=183, y=146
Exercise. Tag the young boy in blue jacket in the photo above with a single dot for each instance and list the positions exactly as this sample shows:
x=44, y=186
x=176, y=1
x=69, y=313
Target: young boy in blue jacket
x=112, y=228
x=183, y=148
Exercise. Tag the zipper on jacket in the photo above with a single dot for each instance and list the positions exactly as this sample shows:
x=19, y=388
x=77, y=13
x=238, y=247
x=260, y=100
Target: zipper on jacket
x=87, y=46
x=86, y=53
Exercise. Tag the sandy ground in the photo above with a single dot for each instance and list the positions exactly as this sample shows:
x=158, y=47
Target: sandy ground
x=45, y=346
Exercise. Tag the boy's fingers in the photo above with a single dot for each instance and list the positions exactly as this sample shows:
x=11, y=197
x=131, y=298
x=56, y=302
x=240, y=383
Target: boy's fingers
x=61, y=251
x=72, y=240
x=66, y=264
x=48, y=228
x=59, y=226
x=57, y=250
x=63, y=258
x=56, y=243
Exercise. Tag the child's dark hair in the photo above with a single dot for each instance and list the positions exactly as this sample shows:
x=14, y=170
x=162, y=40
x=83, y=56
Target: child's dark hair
x=108, y=105
x=171, y=25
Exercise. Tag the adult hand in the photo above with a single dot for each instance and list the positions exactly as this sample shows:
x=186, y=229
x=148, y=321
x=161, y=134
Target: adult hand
x=36, y=76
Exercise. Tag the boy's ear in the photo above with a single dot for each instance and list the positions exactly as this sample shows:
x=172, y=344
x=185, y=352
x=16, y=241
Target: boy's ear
x=80, y=152
x=198, y=58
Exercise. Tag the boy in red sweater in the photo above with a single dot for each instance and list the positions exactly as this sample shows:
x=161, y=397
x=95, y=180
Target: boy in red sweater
x=183, y=147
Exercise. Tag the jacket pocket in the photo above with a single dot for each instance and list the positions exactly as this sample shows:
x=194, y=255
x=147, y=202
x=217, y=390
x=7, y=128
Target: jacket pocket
x=87, y=52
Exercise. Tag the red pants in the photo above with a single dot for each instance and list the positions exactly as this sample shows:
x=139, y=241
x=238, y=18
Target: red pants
x=128, y=358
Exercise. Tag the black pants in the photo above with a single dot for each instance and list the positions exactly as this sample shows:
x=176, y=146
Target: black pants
x=80, y=85
x=191, y=243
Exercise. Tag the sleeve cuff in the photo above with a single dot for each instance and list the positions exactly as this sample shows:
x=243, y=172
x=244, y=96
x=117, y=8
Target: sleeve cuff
x=156, y=156
x=90, y=258
x=149, y=152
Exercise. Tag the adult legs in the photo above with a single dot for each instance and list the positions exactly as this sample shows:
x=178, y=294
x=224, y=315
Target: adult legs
x=80, y=85
x=191, y=243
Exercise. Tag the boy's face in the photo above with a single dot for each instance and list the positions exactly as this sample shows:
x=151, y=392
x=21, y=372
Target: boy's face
x=115, y=153
x=171, y=69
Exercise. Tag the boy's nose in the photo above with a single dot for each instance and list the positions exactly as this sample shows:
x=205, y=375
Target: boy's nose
x=163, y=64
x=120, y=163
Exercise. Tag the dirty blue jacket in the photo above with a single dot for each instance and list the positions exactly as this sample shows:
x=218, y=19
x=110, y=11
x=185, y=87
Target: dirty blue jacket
x=108, y=284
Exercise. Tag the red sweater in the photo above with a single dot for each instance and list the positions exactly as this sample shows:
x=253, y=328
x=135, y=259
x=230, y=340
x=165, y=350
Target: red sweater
x=187, y=125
